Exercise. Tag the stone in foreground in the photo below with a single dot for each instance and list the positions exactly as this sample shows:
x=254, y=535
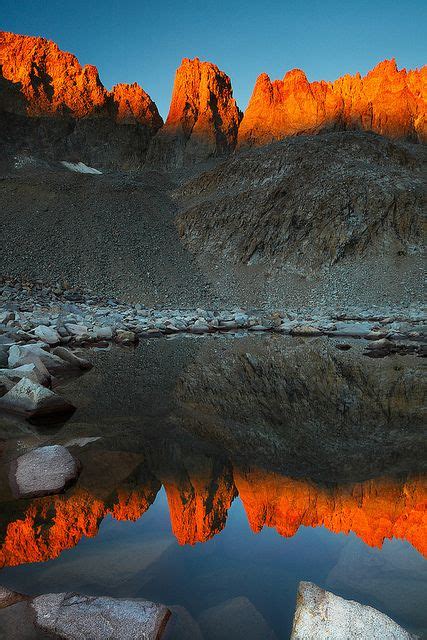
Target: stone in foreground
x=8, y=597
x=70, y=357
x=31, y=371
x=33, y=400
x=78, y=617
x=47, y=334
x=325, y=616
x=43, y=471
x=23, y=354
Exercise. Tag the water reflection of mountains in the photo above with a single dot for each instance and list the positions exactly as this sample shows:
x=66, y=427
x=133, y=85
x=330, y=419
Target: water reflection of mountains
x=304, y=434
x=199, y=500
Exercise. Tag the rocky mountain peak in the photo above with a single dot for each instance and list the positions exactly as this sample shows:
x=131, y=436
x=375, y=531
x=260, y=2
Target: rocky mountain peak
x=203, y=117
x=387, y=101
x=295, y=76
x=53, y=105
x=135, y=105
x=54, y=82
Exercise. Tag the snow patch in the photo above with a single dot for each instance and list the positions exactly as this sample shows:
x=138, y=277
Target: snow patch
x=80, y=167
x=19, y=162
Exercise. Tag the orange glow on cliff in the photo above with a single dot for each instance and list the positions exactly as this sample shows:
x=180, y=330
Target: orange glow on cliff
x=374, y=510
x=388, y=101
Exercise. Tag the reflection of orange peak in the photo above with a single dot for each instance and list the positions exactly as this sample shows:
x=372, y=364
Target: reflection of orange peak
x=53, y=82
x=198, y=510
x=374, y=510
x=55, y=523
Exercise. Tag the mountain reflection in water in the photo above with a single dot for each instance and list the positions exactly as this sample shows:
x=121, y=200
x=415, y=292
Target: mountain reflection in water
x=373, y=510
x=294, y=436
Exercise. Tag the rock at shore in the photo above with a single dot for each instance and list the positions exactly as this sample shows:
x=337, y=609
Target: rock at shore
x=8, y=597
x=73, y=360
x=323, y=615
x=43, y=471
x=33, y=400
x=31, y=371
x=47, y=334
x=23, y=354
x=77, y=617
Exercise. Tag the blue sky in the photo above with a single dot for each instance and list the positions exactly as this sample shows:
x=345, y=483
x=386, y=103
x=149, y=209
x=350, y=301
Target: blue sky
x=145, y=41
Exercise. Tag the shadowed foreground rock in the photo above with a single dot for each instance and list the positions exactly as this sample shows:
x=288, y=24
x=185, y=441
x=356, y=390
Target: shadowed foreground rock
x=33, y=400
x=325, y=616
x=43, y=471
x=8, y=597
x=79, y=617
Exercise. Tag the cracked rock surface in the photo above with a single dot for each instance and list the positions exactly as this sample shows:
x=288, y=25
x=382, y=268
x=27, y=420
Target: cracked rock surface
x=78, y=617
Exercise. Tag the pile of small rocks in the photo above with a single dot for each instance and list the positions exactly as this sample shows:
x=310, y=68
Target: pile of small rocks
x=28, y=372
x=62, y=315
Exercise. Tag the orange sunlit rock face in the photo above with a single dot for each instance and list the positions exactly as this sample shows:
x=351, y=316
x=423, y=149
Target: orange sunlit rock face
x=204, y=119
x=386, y=101
x=203, y=104
x=133, y=104
x=374, y=510
x=203, y=116
x=54, y=83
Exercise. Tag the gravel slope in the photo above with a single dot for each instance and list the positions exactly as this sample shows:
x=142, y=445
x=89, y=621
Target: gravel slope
x=242, y=232
x=113, y=233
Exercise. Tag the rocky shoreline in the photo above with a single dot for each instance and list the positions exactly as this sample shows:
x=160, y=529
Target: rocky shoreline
x=40, y=328
x=65, y=315
x=318, y=613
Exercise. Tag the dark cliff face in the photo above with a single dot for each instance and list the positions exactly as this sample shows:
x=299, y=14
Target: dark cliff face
x=306, y=201
x=305, y=408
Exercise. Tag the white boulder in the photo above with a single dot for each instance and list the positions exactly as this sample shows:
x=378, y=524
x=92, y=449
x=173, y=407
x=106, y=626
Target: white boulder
x=33, y=400
x=23, y=354
x=78, y=617
x=31, y=371
x=47, y=334
x=43, y=471
x=323, y=615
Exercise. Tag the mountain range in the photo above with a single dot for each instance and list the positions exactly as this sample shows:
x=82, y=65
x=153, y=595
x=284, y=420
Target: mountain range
x=48, y=87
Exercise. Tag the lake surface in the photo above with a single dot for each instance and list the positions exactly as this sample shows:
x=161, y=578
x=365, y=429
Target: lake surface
x=219, y=472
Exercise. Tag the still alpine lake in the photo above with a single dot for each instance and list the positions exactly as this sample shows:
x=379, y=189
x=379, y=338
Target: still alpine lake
x=218, y=472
